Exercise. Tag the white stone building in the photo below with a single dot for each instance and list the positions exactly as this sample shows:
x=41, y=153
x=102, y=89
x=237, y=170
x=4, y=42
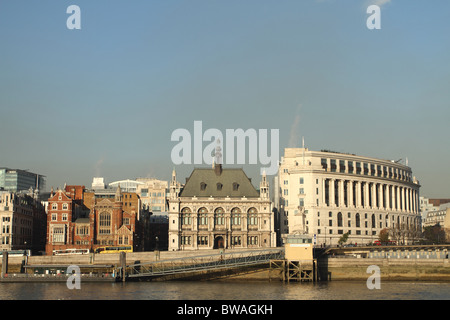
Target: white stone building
x=328, y=194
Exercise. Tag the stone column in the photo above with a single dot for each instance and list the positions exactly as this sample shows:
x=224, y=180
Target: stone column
x=350, y=194
x=341, y=193
x=386, y=195
x=331, y=192
x=358, y=194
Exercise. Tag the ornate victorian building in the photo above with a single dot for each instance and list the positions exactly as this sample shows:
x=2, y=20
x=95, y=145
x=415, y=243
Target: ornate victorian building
x=88, y=220
x=219, y=208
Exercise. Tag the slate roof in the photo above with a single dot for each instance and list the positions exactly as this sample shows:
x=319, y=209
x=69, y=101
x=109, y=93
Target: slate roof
x=211, y=177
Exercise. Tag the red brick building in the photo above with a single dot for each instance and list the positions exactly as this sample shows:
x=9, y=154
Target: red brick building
x=80, y=219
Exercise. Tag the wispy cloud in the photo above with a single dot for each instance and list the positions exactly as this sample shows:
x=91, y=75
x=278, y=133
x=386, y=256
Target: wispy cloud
x=295, y=130
x=98, y=167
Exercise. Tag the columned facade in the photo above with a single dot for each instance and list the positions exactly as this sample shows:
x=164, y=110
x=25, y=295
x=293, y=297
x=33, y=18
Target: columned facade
x=344, y=193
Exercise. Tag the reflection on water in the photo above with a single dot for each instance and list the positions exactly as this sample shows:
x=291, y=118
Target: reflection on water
x=181, y=290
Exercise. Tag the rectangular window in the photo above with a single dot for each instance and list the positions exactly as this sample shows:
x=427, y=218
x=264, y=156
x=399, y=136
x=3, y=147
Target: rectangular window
x=186, y=240
x=333, y=165
x=253, y=240
x=202, y=240
x=342, y=166
x=358, y=167
x=58, y=235
x=83, y=230
x=302, y=180
x=350, y=166
x=324, y=163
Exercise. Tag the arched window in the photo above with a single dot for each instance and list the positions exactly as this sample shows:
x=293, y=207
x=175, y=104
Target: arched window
x=252, y=217
x=235, y=186
x=236, y=216
x=104, y=224
x=185, y=216
x=202, y=186
x=202, y=216
x=219, y=186
x=358, y=220
x=339, y=217
x=219, y=217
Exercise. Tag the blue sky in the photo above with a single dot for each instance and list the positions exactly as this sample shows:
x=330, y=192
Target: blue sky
x=104, y=100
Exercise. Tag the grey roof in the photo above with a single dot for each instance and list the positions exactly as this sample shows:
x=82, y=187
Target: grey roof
x=82, y=220
x=226, y=177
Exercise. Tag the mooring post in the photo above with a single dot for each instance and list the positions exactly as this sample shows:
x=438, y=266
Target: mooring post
x=4, y=263
x=122, y=264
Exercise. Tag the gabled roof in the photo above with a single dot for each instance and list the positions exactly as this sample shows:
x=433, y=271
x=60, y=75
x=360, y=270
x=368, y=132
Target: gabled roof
x=209, y=178
x=124, y=230
x=64, y=196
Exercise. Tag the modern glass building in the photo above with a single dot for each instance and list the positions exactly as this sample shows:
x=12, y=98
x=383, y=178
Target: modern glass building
x=16, y=180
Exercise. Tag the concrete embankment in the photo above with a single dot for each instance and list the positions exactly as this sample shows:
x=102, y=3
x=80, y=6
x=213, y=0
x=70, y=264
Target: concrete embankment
x=390, y=269
x=329, y=268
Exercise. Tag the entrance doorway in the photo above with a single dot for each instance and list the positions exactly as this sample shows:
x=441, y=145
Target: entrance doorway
x=219, y=243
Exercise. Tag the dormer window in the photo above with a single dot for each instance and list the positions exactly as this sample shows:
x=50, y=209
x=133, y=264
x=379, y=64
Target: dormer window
x=202, y=186
x=235, y=186
x=219, y=186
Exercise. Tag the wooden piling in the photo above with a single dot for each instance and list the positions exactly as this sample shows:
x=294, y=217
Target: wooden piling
x=123, y=263
x=4, y=263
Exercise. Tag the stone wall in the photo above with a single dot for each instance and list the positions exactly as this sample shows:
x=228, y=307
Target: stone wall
x=390, y=269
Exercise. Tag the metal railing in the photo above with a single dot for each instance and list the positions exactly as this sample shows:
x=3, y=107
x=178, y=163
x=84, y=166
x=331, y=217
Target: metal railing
x=200, y=263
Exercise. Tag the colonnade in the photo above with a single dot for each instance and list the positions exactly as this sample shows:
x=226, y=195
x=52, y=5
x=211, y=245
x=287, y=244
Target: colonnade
x=370, y=194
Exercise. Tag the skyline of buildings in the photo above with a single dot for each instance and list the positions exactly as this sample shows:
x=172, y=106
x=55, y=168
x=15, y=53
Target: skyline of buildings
x=321, y=193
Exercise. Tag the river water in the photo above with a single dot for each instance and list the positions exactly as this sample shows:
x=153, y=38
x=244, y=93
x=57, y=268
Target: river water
x=187, y=290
